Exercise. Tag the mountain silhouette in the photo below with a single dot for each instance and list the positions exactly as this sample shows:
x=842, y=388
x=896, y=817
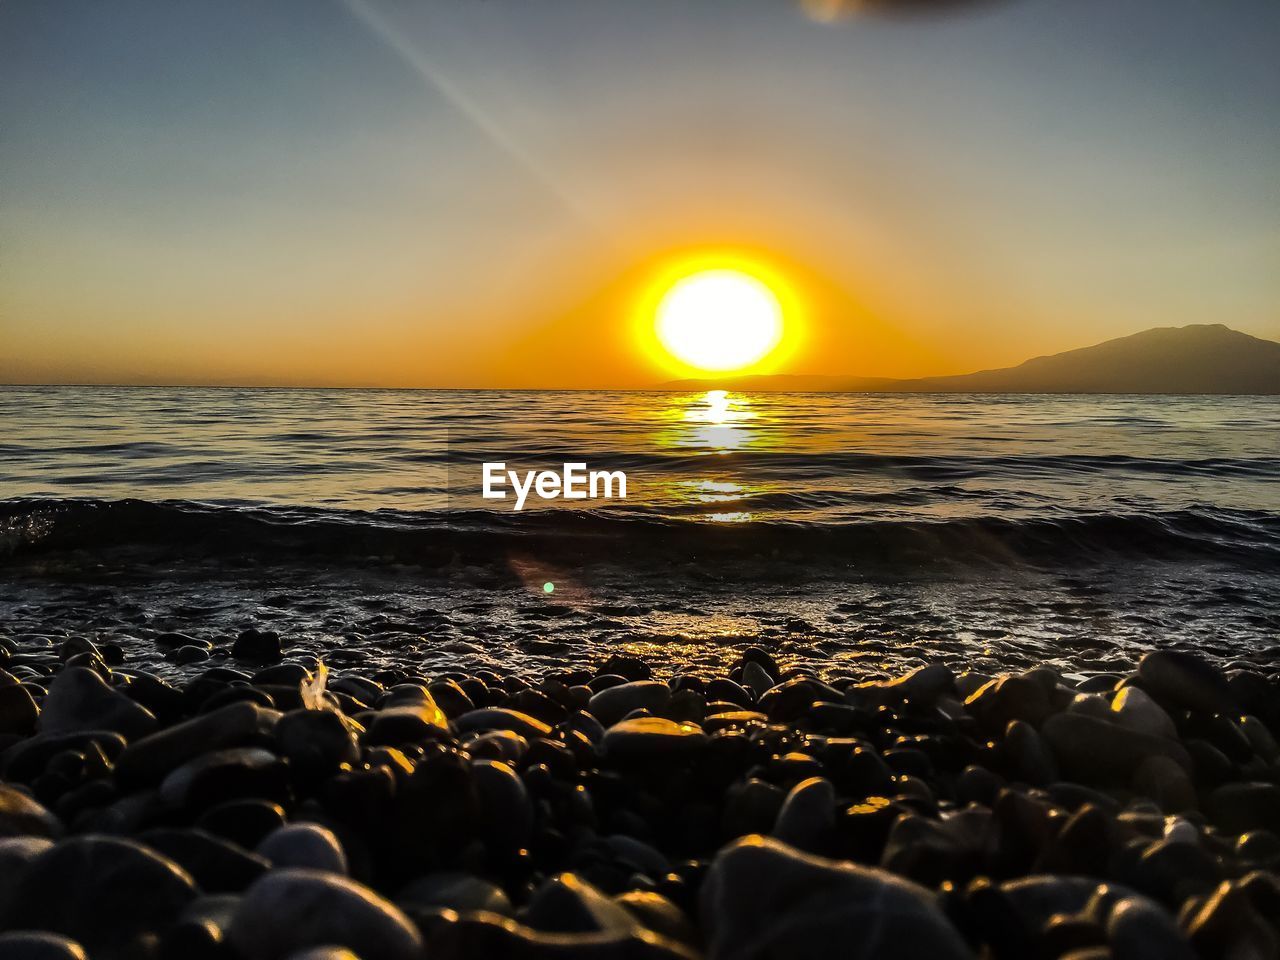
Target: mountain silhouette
x=1201, y=358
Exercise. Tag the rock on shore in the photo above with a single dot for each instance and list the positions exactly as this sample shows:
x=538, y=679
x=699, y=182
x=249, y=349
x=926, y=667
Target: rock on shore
x=599, y=811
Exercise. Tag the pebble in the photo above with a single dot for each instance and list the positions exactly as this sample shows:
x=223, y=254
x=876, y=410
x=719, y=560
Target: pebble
x=752, y=806
x=763, y=899
x=1139, y=929
x=79, y=699
x=288, y=911
x=16, y=854
x=1091, y=705
x=304, y=845
x=1137, y=711
x=655, y=912
x=611, y=705
x=567, y=904
x=448, y=695
x=18, y=710
x=1228, y=926
x=756, y=678
x=1166, y=782
x=1261, y=740
x=497, y=718
x=653, y=736
x=455, y=891
x=224, y=775
x=1029, y=758
x=808, y=816
x=217, y=865
x=1035, y=899
x=408, y=724
x=1240, y=807
x=1186, y=680
x=101, y=892
x=1178, y=830
x=1260, y=848
x=933, y=851
x=147, y=760
x=38, y=945
x=190, y=654
x=1172, y=871
x=498, y=745
x=921, y=686
x=1005, y=699
x=1096, y=751
x=22, y=815
x=257, y=646
x=317, y=742
x=791, y=699
x=243, y=822
x=503, y=805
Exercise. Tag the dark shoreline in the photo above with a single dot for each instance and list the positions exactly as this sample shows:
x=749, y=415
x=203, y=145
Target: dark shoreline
x=596, y=812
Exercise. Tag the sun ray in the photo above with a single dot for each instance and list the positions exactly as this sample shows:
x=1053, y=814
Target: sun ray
x=446, y=87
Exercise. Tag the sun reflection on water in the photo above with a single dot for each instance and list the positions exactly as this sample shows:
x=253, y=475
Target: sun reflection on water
x=715, y=423
x=716, y=491
x=735, y=516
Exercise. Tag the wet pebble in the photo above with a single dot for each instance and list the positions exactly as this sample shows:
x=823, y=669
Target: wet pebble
x=1139, y=929
x=18, y=710
x=39, y=945
x=22, y=815
x=100, y=891
x=653, y=737
x=288, y=911
x=80, y=699
x=763, y=899
x=611, y=705
x=306, y=845
x=1186, y=680
x=258, y=646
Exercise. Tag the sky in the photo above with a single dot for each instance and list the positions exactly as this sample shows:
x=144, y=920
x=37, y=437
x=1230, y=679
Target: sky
x=483, y=193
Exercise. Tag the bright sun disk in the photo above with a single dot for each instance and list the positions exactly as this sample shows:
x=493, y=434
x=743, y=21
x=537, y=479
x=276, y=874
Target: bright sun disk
x=719, y=320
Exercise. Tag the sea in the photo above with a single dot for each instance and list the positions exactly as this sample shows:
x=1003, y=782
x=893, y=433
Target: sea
x=858, y=535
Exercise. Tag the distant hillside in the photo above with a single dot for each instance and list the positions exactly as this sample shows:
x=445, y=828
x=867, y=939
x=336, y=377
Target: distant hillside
x=1202, y=358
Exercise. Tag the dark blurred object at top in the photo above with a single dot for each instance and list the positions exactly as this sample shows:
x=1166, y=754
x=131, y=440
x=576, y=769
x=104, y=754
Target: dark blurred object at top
x=829, y=11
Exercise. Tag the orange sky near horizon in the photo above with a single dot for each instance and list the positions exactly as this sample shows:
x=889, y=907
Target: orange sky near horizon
x=587, y=342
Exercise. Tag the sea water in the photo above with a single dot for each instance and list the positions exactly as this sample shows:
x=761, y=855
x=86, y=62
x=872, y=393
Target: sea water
x=854, y=531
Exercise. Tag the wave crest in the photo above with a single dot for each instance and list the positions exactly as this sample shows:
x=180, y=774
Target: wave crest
x=32, y=528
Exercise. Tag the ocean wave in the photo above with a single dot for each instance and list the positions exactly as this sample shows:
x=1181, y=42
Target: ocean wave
x=310, y=453
x=44, y=527
x=807, y=463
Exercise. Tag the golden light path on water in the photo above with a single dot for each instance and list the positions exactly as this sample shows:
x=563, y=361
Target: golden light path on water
x=716, y=422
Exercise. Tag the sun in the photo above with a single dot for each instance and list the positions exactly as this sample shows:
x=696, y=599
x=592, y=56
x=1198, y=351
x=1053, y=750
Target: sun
x=719, y=320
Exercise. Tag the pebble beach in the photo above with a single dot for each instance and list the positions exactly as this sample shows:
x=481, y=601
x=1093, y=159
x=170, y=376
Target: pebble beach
x=267, y=808
x=639, y=480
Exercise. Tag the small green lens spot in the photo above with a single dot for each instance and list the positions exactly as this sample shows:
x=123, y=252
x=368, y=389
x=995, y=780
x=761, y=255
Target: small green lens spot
x=548, y=587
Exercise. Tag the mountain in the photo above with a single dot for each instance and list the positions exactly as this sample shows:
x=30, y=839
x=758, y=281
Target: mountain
x=1201, y=358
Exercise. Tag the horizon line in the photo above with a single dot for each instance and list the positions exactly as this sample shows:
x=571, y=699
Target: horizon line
x=686, y=384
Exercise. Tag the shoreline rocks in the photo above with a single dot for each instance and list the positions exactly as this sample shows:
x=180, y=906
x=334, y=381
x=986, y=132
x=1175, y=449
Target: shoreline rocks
x=607, y=812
